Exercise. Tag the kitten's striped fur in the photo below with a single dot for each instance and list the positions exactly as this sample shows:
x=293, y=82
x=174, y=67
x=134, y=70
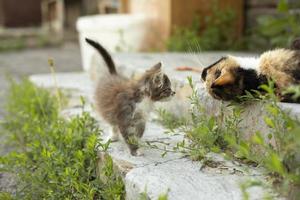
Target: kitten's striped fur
x=118, y=99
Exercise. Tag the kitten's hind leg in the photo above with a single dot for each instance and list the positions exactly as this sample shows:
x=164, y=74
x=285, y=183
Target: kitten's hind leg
x=128, y=133
x=140, y=126
x=114, y=134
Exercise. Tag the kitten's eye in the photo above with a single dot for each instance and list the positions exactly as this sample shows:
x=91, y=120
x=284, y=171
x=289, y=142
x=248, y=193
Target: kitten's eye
x=217, y=73
x=157, y=80
x=165, y=79
x=167, y=90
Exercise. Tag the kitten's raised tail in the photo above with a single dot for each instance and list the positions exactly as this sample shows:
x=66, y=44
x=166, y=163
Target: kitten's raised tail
x=104, y=53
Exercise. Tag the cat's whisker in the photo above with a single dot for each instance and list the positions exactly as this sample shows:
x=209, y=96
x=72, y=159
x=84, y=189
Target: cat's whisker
x=196, y=58
x=199, y=51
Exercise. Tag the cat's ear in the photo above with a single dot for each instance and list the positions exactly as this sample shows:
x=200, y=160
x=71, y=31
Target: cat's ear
x=224, y=79
x=296, y=44
x=204, y=72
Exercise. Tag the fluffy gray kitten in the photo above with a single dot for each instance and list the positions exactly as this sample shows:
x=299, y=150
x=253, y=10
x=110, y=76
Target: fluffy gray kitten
x=125, y=103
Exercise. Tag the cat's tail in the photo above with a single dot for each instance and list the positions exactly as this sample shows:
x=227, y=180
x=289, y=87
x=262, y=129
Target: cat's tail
x=104, y=53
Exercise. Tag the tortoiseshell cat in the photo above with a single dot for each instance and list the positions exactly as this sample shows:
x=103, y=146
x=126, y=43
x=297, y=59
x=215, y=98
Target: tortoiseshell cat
x=231, y=76
x=125, y=103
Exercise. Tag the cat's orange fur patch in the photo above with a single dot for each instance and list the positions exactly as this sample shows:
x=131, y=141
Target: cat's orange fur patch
x=274, y=63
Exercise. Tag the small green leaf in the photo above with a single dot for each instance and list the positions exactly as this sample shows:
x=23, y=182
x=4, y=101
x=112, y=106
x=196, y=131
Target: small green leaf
x=258, y=139
x=269, y=122
x=164, y=154
x=270, y=136
x=274, y=163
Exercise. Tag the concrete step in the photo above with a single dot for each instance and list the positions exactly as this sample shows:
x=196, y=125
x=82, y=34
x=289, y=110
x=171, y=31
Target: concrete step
x=175, y=174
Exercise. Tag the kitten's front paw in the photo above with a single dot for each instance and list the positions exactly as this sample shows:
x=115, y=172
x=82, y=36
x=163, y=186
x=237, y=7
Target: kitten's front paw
x=113, y=137
x=140, y=152
x=137, y=152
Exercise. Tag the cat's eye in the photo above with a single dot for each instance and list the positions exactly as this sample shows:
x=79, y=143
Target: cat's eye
x=217, y=73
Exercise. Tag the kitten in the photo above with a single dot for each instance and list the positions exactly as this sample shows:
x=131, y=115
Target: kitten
x=229, y=77
x=125, y=103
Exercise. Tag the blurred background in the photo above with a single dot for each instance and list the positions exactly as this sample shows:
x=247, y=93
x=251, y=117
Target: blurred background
x=151, y=25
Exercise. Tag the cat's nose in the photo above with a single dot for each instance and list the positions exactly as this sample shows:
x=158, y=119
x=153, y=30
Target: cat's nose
x=173, y=93
x=213, y=85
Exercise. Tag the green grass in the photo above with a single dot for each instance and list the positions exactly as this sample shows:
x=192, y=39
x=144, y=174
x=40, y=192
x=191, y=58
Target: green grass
x=276, y=153
x=54, y=158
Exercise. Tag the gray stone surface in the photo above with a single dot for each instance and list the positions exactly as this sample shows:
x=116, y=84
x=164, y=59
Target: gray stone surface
x=175, y=173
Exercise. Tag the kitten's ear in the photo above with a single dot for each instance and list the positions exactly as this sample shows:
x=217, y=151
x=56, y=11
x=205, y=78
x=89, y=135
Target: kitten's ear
x=225, y=79
x=156, y=71
x=157, y=67
x=296, y=44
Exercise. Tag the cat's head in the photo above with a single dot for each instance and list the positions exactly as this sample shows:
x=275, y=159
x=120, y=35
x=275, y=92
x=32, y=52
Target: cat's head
x=229, y=77
x=157, y=84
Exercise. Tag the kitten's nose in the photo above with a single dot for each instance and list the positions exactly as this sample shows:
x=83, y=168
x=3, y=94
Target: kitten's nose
x=173, y=93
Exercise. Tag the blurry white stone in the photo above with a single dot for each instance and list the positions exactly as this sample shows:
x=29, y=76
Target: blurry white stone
x=116, y=32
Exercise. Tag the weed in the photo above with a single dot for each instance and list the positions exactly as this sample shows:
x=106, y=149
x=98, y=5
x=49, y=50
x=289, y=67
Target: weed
x=54, y=158
x=169, y=120
x=203, y=132
x=294, y=92
x=144, y=196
